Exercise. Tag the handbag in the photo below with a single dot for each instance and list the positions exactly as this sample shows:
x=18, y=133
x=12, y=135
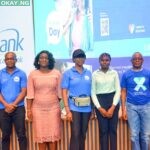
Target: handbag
x=82, y=101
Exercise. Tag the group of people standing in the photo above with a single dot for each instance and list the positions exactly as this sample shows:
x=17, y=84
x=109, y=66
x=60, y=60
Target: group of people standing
x=80, y=90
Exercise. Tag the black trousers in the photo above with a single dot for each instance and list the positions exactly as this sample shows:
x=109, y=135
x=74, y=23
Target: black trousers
x=78, y=130
x=18, y=119
x=107, y=126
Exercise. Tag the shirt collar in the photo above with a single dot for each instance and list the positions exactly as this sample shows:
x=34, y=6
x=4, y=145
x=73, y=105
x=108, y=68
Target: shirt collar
x=75, y=70
x=5, y=70
x=99, y=70
x=136, y=70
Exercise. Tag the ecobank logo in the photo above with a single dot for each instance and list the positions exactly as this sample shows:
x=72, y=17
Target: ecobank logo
x=14, y=2
x=10, y=40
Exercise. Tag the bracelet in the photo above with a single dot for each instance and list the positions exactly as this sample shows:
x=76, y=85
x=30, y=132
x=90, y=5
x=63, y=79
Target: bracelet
x=66, y=106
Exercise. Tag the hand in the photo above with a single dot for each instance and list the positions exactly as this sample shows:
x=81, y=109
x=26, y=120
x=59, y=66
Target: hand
x=110, y=111
x=29, y=115
x=9, y=108
x=93, y=115
x=103, y=112
x=124, y=115
x=69, y=116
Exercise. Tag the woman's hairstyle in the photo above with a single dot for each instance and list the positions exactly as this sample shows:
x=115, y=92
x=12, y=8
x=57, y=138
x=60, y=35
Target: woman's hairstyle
x=78, y=53
x=51, y=60
x=105, y=55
